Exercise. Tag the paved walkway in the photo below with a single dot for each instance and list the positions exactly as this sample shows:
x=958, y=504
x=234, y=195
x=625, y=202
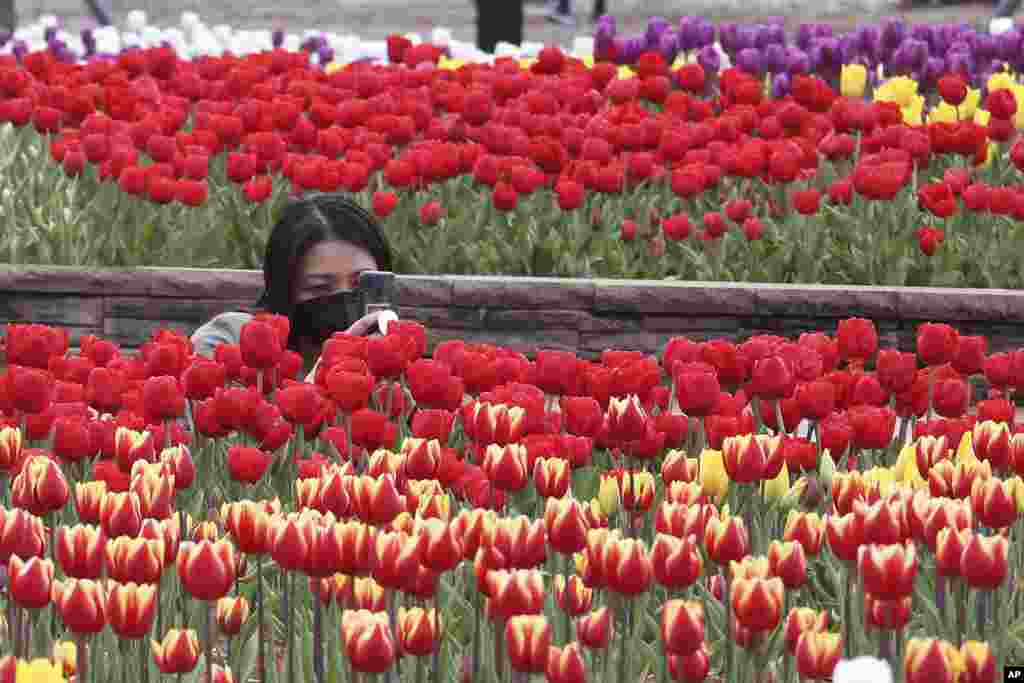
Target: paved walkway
x=375, y=19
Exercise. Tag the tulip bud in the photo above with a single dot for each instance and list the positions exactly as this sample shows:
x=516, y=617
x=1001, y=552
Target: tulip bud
x=845, y=535
x=88, y=497
x=692, y=667
x=757, y=603
x=787, y=561
x=515, y=592
x=232, y=613
x=368, y=641
x=10, y=448
x=418, y=631
x=627, y=567
x=178, y=653
x=80, y=551
x=30, y=582
x=82, y=605
x=135, y=560
x=40, y=487
x=817, y=654
x=994, y=503
x=207, y=569
x=928, y=661
x=572, y=595
x=801, y=620
x=984, y=563
x=979, y=662
x=677, y=563
x=130, y=609
x=807, y=529
x=594, y=630
x=439, y=549
x=566, y=665
x=121, y=514
x=887, y=571
x=744, y=458
x=713, y=477
x=750, y=567
x=249, y=525
x=726, y=539
x=682, y=627
x=891, y=615
x=527, y=639
x=566, y=525
x=505, y=466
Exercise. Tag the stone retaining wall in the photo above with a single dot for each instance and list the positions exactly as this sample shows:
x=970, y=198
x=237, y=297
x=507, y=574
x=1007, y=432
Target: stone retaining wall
x=586, y=316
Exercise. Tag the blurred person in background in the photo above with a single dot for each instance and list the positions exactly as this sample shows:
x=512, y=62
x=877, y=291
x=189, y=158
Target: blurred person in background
x=9, y=16
x=1002, y=18
x=498, y=21
x=560, y=12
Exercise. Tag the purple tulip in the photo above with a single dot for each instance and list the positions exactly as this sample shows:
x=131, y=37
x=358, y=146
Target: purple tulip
x=781, y=84
x=893, y=33
x=774, y=58
x=760, y=36
x=668, y=46
x=823, y=31
x=709, y=59
x=746, y=37
x=19, y=50
x=606, y=24
x=687, y=33
x=934, y=69
x=804, y=36
x=848, y=48
x=960, y=63
x=49, y=33
x=776, y=33
x=797, y=62
x=729, y=37
x=656, y=26
x=924, y=33
x=325, y=54
x=705, y=33
x=749, y=59
x=776, y=20
x=277, y=38
x=1008, y=44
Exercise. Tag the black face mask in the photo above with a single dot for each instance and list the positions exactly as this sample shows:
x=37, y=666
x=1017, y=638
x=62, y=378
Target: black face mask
x=317, y=319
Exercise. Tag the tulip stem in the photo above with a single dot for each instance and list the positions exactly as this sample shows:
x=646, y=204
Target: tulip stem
x=729, y=645
x=208, y=628
x=627, y=634
x=438, y=605
x=318, y=645
x=144, y=654
x=290, y=621
x=476, y=621
x=82, y=658
x=260, y=644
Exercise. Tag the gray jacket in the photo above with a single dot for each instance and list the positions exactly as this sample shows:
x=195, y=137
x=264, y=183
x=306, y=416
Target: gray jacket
x=225, y=328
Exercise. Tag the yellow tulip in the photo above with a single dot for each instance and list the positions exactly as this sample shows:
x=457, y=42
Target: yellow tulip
x=970, y=104
x=626, y=72
x=981, y=117
x=66, y=654
x=900, y=90
x=38, y=671
x=944, y=113
x=450, y=64
x=1000, y=80
x=883, y=477
x=713, y=479
x=853, y=80
x=913, y=112
x=526, y=63
x=588, y=61
x=965, y=449
x=608, y=496
x=778, y=487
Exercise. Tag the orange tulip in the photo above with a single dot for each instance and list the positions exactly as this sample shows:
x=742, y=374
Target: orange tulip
x=566, y=525
x=520, y=591
x=232, y=612
x=82, y=605
x=130, y=609
x=88, y=497
x=30, y=581
x=207, y=569
x=438, y=546
x=121, y=514
x=994, y=503
x=248, y=523
x=551, y=477
x=527, y=639
x=757, y=603
x=505, y=466
x=566, y=665
x=368, y=641
x=627, y=566
x=40, y=487
x=801, y=620
x=572, y=595
x=677, y=563
x=177, y=653
x=817, y=654
x=682, y=627
x=984, y=563
x=931, y=661
x=137, y=560
x=726, y=539
x=419, y=631
x=787, y=561
x=594, y=630
x=80, y=551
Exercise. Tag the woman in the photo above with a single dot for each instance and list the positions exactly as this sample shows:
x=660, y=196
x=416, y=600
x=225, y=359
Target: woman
x=317, y=250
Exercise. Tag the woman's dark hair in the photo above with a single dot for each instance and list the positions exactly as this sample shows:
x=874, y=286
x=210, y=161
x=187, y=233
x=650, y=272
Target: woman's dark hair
x=304, y=223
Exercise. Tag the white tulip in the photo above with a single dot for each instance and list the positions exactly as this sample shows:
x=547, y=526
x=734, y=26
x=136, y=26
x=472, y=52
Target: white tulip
x=130, y=39
x=291, y=42
x=135, y=21
x=503, y=49
x=862, y=670
x=441, y=36
x=223, y=34
x=152, y=36
x=583, y=46
x=414, y=38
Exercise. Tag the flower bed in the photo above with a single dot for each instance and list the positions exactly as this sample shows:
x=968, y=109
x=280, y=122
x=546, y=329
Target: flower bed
x=699, y=515
x=547, y=166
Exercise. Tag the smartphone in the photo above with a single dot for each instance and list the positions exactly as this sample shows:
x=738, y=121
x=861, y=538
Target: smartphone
x=377, y=290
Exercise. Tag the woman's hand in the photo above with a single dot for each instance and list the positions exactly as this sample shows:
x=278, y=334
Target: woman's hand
x=379, y=319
